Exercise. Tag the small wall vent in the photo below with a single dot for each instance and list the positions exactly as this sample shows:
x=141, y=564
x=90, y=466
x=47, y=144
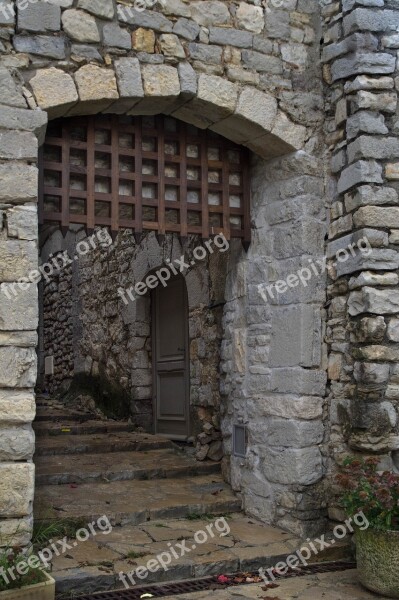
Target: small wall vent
x=239, y=440
x=49, y=365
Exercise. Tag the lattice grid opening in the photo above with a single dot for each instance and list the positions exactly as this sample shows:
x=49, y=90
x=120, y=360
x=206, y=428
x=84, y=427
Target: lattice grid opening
x=145, y=174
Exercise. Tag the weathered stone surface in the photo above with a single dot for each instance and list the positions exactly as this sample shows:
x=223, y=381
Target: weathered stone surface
x=90, y=53
x=377, y=259
x=291, y=133
x=278, y=24
x=21, y=339
x=378, y=352
x=209, y=13
x=16, y=442
x=393, y=330
x=96, y=86
x=99, y=8
x=385, y=102
x=19, y=312
x=357, y=43
x=373, y=301
x=250, y=17
x=116, y=37
x=299, y=381
x=18, y=258
x=16, y=532
x=51, y=47
x=161, y=81
x=367, y=122
x=371, y=373
x=391, y=41
x=186, y=29
x=188, y=79
x=7, y=12
x=54, y=91
x=369, y=278
x=366, y=194
x=233, y=37
x=170, y=45
x=17, y=367
x=360, y=172
x=370, y=20
x=9, y=94
x=377, y=216
x=392, y=171
x=262, y=63
x=295, y=55
x=206, y=53
x=80, y=26
x=143, y=40
x=363, y=82
x=290, y=406
x=16, y=489
x=18, y=145
x=146, y=18
x=25, y=120
x=301, y=466
x=300, y=326
x=22, y=222
x=17, y=406
x=128, y=76
x=372, y=63
x=373, y=147
x=18, y=183
x=290, y=433
x=40, y=16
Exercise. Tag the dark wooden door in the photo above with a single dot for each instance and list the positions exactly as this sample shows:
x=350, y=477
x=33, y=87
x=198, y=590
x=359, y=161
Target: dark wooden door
x=170, y=360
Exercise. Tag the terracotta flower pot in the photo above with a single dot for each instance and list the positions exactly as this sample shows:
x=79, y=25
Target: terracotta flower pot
x=39, y=591
x=377, y=555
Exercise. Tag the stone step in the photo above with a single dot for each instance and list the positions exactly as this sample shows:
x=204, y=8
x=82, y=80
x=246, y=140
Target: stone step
x=246, y=545
x=69, y=427
x=99, y=443
x=118, y=466
x=135, y=501
x=58, y=415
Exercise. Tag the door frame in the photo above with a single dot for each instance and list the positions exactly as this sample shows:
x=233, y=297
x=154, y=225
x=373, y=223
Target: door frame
x=154, y=337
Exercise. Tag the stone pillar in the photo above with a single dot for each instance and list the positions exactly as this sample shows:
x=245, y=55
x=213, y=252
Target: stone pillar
x=361, y=74
x=19, y=132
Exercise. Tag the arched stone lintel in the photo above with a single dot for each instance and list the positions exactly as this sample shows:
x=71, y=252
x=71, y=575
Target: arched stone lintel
x=244, y=115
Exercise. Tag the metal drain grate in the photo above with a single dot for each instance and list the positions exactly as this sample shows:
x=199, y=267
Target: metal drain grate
x=200, y=585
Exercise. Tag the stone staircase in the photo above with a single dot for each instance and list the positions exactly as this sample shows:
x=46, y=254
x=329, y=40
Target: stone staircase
x=151, y=491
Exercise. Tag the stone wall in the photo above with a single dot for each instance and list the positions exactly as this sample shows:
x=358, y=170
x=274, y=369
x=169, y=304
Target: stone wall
x=361, y=76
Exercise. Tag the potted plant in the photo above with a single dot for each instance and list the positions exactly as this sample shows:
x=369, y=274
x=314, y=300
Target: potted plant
x=22, y=577
x=376, y=494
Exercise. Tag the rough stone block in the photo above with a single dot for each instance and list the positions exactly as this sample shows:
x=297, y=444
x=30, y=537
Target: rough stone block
x=80, y=26
x=17, y=259
x=296, y=337
x=377, y=216
x=188, y=80
x=360, y=63
x=40, y=16
x=42, y=45
x=17, y=406
x=250, y=17
x=390, y=41
x=216, y=99
x=86, y=51
x=170, y=45
x=18, y=145
x=231, y=37
x=128, y=76
x=291, y=433
x=55, y=91
x=385, y=102
x=294, y=466
x=17, y=367
x=22, y=339
x=204, y=52
x=379, y=260
x=366, y=146
x=16, y=489
x=9, y=93
x=393, y=330
x=358, y=42
x=160, y=81
x=19, y=312
x=360, y=172
x=25, y=120
x=209, y=13
x=392, y=171
x=97, y=88
x=278, y=24
x=16, y=442
x=366, y=19
x=363, y=82
x=296, y=380
x=7, y=12
x=146, y=18
x=16, y=532
x=288, y=406
x=18, y=183
x=116, y=37
x=99, y=8
x=186, y=29
x=366, y=194
x=371, y=300
x=365, y=122
x=262, y=63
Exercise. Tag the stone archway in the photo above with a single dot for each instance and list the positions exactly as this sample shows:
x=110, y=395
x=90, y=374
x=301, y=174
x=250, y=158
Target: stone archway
x=253, y=329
